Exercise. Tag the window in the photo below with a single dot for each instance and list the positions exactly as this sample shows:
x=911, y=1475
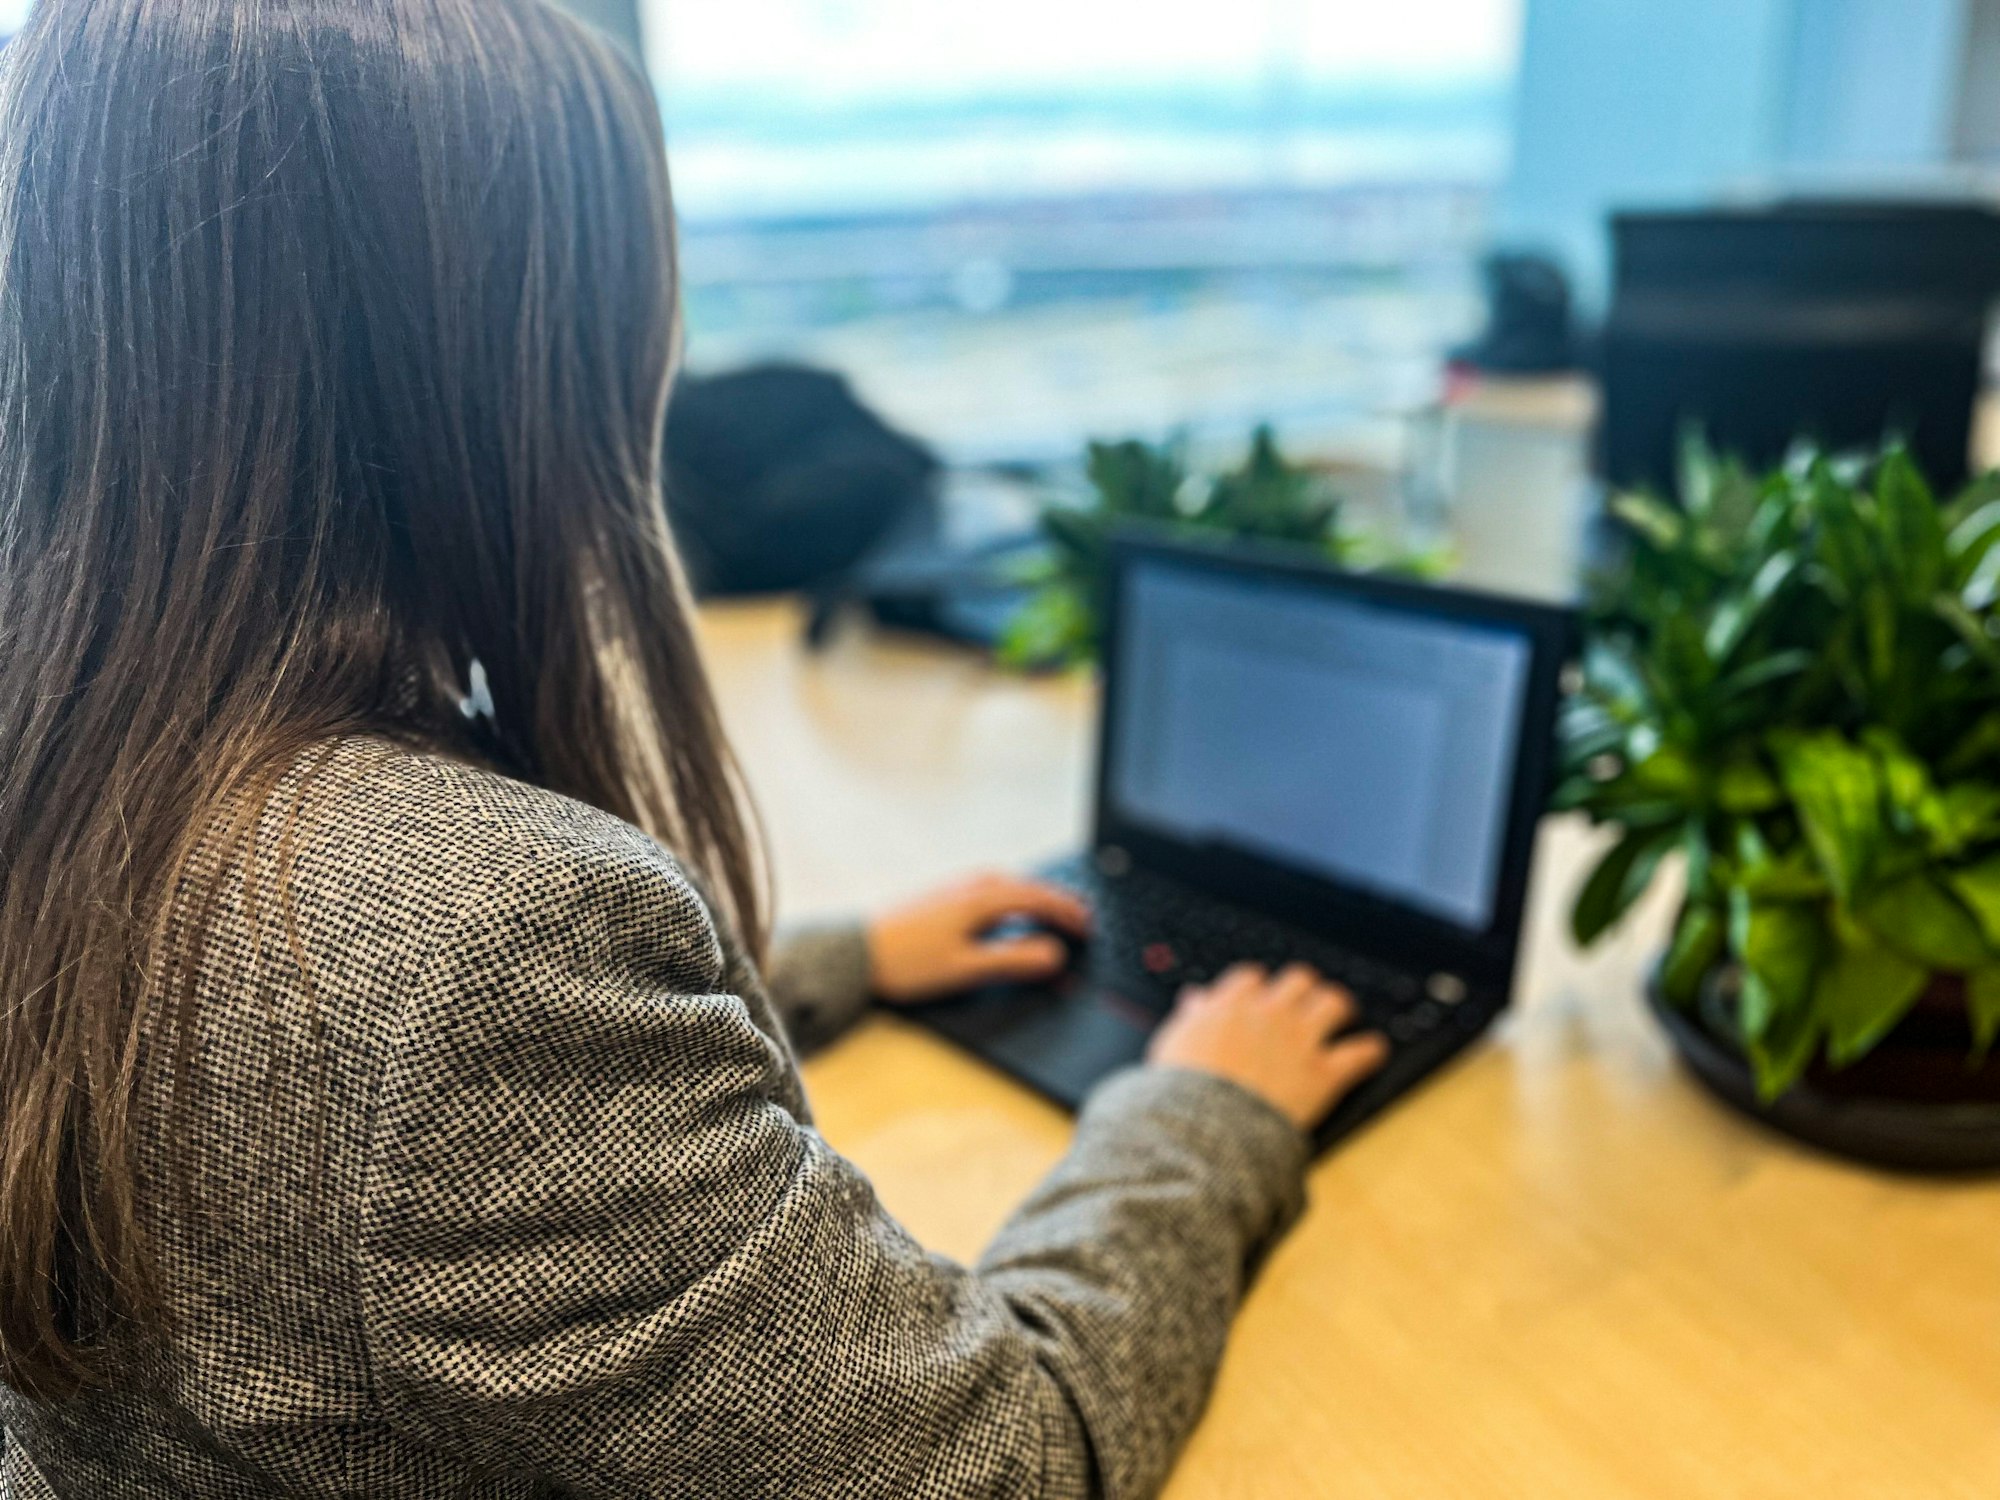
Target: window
x=1016, y=225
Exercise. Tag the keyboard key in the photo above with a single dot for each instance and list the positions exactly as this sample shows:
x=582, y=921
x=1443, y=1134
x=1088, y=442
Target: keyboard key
x=1155, y=937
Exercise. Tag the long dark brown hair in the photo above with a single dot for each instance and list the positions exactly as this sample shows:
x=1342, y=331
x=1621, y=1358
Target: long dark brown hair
x=335, y=341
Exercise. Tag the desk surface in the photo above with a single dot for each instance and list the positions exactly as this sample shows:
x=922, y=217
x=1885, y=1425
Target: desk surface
x=1559, y=1271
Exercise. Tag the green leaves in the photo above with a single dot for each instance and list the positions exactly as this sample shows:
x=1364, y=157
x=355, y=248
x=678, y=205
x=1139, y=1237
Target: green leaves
x=1836, y=790
x=1796, y=678
x=1655, y=520
x=1779, y=943
x=1971, y=628
x=1976, y=746
x=1866, y=989
x=1912, y=530
x=1780, y=1056
x=1971, y=549
x=1268, y=497
x=1906, y=781
x=1982, y=998
x=1700, y=939
x=1139, y=479
x=1735, y=615
x=1947, y=822
x=1766, y=875
x=1919, y=918
x=1960, y=817
x=1979, y=888
x=1763, y=674
x=1743, y=786
x=1618, y=881
x=1265, y=496
x=1055, y=625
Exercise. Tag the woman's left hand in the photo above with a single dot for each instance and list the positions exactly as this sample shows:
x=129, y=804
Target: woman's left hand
x=944, y=943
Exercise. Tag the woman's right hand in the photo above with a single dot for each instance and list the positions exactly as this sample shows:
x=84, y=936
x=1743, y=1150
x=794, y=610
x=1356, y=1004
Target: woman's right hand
x=1272, y=1034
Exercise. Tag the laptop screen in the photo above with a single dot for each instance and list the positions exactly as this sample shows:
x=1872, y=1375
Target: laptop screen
x=1366, y=744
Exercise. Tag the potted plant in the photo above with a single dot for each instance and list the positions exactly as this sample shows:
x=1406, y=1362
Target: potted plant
x=1792, y=684
x=1267, y=496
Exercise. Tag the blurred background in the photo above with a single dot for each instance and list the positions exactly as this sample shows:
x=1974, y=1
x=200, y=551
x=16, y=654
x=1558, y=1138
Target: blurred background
x=1016, y=229
x=1015, y=226
x=1467, y=260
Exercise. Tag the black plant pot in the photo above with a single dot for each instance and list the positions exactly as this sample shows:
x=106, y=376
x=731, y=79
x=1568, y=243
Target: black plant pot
x=1914, y=1105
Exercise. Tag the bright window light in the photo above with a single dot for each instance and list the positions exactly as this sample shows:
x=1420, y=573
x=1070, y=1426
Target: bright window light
x=1018, y=224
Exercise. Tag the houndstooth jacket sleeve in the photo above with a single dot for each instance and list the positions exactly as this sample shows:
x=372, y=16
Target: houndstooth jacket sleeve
x=501, y=1182
x=603, y=1245
x=818, y=979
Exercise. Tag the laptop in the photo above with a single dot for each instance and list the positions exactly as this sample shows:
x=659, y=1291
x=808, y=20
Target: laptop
x=1295, y=764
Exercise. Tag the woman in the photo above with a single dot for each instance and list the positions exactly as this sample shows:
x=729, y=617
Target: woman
x=385, y=1113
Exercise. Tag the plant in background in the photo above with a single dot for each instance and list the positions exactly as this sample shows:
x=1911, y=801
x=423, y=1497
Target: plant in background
x=1266, y=497
x=1793, y=681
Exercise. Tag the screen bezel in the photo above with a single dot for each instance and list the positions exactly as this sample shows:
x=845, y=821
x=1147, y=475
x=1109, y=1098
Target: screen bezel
x=1348, y=915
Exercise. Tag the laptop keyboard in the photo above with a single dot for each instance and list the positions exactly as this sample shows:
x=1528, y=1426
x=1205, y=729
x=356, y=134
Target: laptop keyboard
x=1155, y=937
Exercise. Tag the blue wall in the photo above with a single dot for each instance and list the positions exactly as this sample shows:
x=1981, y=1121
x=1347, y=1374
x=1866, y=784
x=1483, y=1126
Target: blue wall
x=1647, y=103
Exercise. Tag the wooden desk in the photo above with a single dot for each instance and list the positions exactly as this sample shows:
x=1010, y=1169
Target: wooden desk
x=1560, y=1271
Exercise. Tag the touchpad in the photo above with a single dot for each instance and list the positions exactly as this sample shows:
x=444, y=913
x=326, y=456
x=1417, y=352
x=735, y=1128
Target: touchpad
x=1060, y=1042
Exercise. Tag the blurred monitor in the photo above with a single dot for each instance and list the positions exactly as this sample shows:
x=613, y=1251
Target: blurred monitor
x=1839, y=323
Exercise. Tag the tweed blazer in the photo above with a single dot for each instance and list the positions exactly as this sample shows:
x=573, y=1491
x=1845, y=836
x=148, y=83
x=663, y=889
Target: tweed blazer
x=495, y=1178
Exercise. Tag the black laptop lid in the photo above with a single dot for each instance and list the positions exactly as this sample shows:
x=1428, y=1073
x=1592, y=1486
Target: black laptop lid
x=1365, y=758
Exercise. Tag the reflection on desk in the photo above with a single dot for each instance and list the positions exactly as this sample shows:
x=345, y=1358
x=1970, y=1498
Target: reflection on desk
x=1557, y=1271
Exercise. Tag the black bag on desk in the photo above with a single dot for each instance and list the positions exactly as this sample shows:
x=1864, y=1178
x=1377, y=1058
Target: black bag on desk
x=779, y=479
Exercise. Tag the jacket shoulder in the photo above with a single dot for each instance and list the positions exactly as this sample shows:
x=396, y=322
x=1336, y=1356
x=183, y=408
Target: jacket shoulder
x=371, y=856
x=404, y=808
